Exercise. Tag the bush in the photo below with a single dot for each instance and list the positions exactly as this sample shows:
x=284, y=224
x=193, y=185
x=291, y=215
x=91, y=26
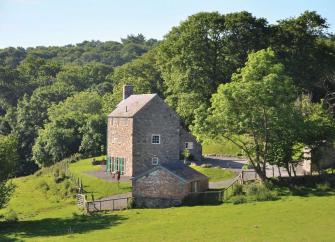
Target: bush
x=73, y=158
x=261, y=192
x=238, y=199
x=98, y=162
x=237, y=189
x=324, y=187
x=43, y=185
x=131, y=203
x=252, y=189
x=266, y=195
x=11, y=216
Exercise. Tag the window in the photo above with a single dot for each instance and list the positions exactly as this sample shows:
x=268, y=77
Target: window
x=194, y=186
x=155, y=160
x=189, y=145
x=118, y=164
x=155, y=139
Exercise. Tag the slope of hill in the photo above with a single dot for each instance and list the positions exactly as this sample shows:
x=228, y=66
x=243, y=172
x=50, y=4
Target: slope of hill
x=47, y=212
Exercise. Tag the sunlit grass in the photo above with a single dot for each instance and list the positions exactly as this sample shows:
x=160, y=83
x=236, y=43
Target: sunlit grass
x=92, y=185
x=215, y=173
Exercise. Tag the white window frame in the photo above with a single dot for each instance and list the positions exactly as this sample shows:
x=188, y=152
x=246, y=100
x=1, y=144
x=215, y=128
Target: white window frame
x=154, y=161
x=159, y=139
x=189, y=145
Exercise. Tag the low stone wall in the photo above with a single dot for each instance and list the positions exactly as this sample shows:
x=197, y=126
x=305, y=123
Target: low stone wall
x=155, y=202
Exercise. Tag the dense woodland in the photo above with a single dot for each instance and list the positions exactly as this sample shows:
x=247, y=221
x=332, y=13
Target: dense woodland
x=54, y=100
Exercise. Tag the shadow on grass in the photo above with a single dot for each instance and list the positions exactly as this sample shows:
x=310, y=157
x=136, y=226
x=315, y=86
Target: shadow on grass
x=78, y=224
x=306, y=191
x=322, y=185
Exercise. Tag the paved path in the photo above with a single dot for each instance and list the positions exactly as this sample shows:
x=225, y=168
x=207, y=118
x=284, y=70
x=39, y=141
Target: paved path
x=236, y=164
x=102, y=174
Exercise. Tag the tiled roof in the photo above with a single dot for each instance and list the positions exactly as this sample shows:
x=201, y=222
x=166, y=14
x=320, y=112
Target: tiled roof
x=183, y=172
x=130, y=106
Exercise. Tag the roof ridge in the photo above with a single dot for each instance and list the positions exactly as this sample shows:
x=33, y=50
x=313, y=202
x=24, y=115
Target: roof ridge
x=131, y=105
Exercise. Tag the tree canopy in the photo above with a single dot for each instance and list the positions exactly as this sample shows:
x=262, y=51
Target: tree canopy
x=185, y=68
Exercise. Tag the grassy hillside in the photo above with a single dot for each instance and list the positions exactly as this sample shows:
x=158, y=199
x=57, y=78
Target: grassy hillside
x=92, y=185
x=220, y=147
x=52, y=215
x=215, y=174
x=291, y=219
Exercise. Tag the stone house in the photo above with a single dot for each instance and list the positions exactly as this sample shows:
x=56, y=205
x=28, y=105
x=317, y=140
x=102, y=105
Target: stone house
x=145, y=135
x=167, y=184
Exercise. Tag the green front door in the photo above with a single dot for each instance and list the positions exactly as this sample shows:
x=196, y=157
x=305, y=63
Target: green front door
x=121, y=165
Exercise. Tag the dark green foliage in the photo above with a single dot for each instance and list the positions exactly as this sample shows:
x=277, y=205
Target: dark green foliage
x=237, y=189
x=43, y=185
x=185, y=68
x=11, y=216
x=203, y=52
x=238, y=199
x=6, y=190
x=77, y=124
x=260, y=192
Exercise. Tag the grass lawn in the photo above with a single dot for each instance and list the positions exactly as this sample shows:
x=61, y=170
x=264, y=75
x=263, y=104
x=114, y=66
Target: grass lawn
x=92, y=185
x=221, y=147
x=215, y=174
x=289, y=219
x=46, y=216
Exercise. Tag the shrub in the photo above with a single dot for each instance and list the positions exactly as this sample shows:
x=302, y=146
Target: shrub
x=131, y=203
x=237, y=190
x=324, y=187
x=11, y=216
x=238, y=199
x=98, y=162
x=266, y=195
x=43, y=185
x=261, y=192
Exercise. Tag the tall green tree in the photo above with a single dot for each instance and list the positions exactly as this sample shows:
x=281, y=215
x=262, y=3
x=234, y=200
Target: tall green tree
x=76, y=124
x=253, y=108
x=8, y=161
x=303, y=46
x=203, y=52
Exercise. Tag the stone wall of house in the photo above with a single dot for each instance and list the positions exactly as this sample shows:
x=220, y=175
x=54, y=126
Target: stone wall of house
x=328, y=157
x=120, y=140
x=202, y=185
x=196, y=151
x=155, y=118
x=160, y=184
x=149, y=202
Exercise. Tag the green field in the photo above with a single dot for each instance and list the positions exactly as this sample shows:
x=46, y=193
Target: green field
x=290, y=219
x=215, y=174
x=92, y=185
x=44, y=215
x=220, y=147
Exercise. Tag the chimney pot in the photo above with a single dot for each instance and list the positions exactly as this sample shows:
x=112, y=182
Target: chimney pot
x=127, y=91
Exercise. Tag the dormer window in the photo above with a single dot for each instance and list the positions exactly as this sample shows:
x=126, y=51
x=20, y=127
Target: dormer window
x=154, y=160
x=155, y=139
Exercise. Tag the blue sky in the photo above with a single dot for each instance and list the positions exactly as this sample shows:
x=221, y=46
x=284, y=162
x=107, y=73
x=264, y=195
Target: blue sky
x=59, y=22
